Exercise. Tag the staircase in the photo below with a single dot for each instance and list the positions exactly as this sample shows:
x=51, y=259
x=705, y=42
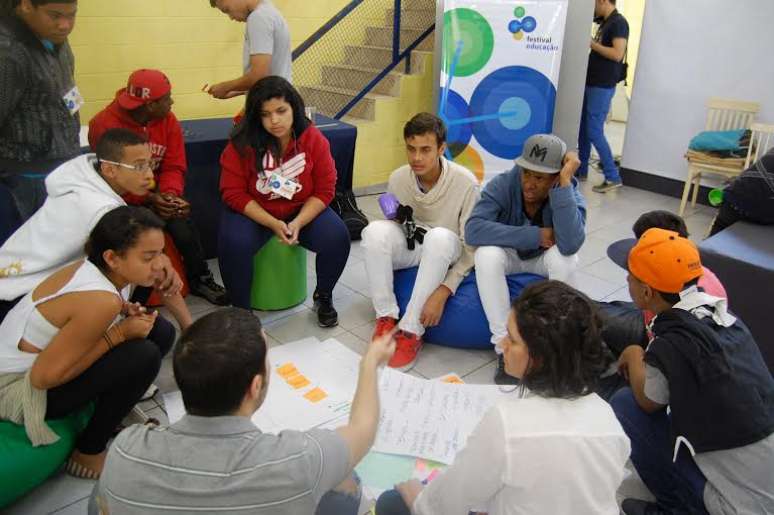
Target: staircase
x=360, y=46
x=362, y=58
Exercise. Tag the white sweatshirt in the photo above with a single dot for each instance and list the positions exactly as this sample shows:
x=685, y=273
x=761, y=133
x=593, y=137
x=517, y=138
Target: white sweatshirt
x=447, y=205
x=55, y=235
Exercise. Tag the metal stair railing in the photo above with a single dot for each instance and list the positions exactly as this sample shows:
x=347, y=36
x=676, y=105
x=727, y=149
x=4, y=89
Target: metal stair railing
x=344, y=41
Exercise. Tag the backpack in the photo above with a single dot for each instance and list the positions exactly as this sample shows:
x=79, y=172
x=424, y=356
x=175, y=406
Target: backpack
x=345, y=205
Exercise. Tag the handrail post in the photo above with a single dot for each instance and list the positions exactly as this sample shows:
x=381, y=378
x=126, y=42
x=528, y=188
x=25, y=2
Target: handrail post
x=396, y=32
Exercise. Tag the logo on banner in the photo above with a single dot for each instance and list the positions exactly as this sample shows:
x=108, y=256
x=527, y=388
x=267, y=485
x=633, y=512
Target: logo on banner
x=522, y=24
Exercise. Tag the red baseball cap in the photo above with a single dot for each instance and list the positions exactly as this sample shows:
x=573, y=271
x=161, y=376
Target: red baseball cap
x=143, y=86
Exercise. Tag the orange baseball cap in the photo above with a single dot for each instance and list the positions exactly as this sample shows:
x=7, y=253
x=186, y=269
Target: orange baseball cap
x=665, y=261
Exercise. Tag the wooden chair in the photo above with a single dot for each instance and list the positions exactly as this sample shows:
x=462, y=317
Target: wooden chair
x=761, y=140
x=722, y=115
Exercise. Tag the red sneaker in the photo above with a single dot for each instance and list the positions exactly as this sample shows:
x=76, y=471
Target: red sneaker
x=406, y=351
x=383, y=326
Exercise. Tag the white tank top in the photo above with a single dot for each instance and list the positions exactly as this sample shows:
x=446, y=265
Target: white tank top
x=24, y=319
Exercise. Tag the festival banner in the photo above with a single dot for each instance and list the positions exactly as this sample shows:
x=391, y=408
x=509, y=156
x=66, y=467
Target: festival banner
x=499, y=76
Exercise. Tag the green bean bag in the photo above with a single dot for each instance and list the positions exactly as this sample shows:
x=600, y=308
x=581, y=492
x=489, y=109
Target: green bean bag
x=279, y=276
x=22, y=466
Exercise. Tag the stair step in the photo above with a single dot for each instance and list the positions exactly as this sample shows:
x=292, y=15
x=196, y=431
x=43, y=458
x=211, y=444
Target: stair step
x=412, y=18
x=382, y=37
x=373, y=71
x=350, y=77
x=369, y=56
x=330, y=100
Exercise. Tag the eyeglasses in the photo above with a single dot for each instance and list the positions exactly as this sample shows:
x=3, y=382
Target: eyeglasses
x=145, y=165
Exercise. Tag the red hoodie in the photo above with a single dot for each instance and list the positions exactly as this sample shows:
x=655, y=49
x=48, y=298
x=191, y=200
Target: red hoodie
x=240, y=183
x=166, y=141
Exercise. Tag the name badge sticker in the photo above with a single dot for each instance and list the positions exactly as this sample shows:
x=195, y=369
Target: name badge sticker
x=73, y=100
x=283, y=186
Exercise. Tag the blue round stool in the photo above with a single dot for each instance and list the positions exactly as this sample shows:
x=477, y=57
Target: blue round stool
x=463, y=323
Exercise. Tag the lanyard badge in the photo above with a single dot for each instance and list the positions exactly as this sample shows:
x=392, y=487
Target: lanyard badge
x=280, y=181
x=73, y=100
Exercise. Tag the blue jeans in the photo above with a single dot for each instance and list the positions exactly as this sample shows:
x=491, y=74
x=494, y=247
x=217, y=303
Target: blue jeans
x=678, y=486
x=596, y=105
x=28, y=191
x=340, y=503
x=240, y=238
x=391, y=503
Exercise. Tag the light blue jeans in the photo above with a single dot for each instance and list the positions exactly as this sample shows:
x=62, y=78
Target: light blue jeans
x=596, y=105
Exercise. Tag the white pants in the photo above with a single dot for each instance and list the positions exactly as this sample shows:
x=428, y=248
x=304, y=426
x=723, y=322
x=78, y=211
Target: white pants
x=386, y=250
x=494, y=263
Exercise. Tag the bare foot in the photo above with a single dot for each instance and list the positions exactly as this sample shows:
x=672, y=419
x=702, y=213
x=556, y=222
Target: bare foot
x=93, y=463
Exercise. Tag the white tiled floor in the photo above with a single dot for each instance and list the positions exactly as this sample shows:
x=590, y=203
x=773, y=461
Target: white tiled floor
x=610, y=217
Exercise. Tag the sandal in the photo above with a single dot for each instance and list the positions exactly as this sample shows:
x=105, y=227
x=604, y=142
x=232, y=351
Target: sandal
x=75, y=469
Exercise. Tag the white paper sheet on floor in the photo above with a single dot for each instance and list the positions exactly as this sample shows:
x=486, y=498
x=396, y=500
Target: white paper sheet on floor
x=429, y=419
x=419, y=417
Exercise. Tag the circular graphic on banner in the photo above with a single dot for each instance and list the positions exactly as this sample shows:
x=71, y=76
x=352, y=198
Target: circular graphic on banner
x=515, y=113
x=515, y=102
x=468, y=30
x=528, y=24
x=458, y=134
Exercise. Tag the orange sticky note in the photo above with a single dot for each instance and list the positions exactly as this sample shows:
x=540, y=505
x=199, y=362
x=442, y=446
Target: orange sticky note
x=453, y=379
x=298, y=381
x=315, y=395
x=286, y=370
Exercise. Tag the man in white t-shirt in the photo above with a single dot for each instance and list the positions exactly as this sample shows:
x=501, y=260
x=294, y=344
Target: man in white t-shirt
x=266, y=49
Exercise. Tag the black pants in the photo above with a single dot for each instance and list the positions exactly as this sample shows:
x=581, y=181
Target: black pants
x=622, y=325
x=115, y=383
x=10, y=218
x=6, y=306
x=187, y=240
x=727, y=216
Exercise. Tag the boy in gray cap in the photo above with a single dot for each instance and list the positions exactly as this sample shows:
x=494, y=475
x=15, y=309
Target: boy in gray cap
x=530, y=219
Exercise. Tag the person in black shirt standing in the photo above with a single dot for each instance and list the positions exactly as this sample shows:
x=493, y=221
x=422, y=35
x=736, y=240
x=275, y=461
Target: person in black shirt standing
x=39, y=101
x=606, y=69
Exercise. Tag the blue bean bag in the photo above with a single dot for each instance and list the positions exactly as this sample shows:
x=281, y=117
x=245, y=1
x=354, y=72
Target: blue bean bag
x=463, y=323
x=23, y=467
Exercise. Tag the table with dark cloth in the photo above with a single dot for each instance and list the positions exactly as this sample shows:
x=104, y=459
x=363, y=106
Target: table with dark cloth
x=204, y=142
x=742, y=256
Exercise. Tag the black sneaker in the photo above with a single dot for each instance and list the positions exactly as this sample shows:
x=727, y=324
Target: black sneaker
x=207, y=288
x=606, y=186
x=501, y=376
x=326, y=314
x=639, y=507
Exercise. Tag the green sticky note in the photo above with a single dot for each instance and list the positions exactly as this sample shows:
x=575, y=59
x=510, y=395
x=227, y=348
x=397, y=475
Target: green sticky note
x=384, y=471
